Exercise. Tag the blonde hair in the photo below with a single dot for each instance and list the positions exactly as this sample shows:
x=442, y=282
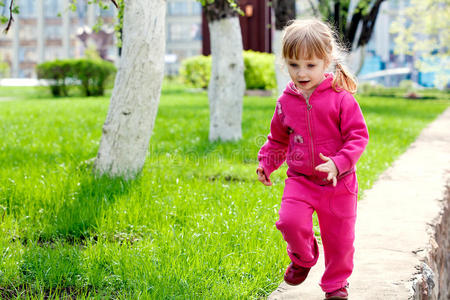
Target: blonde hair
x=306, y=39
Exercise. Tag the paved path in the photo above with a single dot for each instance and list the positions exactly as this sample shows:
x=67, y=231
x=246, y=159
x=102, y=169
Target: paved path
x=392, y=224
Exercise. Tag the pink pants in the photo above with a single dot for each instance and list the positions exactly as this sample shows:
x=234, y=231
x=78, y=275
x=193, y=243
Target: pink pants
x=336, y=211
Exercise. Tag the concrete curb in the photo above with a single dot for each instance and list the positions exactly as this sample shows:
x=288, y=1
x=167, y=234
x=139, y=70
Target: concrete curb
x=402, y=235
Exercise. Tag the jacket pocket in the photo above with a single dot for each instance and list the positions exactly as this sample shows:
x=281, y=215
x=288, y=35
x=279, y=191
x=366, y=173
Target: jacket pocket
x=343, y=203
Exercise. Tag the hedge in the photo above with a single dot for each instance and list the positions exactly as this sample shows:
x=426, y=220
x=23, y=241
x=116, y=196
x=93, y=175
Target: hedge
x=259, y=70
x=90, y=74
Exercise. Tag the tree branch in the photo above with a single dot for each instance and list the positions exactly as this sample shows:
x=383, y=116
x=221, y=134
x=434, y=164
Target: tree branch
x=11, y=19
x=369, y=23
x=314, y=9
x=350, y=32
x=115, y=3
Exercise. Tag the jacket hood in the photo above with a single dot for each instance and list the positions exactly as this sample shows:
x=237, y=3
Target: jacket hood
x=324, y=85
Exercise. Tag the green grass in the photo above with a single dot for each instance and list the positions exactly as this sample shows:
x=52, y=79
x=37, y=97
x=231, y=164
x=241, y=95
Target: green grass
x=195, y=224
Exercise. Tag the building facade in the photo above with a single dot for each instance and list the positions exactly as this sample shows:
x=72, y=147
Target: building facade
x=48, y=29
x=183, y=32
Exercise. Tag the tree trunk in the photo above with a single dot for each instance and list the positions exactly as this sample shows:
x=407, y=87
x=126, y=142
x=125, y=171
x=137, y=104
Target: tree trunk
x=281, y=72
x=227, y=83
x=355, y=59
x=284, y=12
x=135, y=98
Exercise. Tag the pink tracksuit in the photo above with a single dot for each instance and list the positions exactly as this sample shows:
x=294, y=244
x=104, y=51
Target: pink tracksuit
x=330, y=123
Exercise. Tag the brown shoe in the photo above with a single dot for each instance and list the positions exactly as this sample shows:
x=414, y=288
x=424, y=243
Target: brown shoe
x=295, y=274
x=337, y=294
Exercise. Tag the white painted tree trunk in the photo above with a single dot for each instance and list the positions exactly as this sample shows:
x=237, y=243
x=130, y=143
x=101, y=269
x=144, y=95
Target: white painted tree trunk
x=281, y=72
x=135, y=98
x=227, y=84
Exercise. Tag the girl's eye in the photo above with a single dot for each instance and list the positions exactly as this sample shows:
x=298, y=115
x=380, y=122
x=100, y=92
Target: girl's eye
x=293, y=65
x=311, y=66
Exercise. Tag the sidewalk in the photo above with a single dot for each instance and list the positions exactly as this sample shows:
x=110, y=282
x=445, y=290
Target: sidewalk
x=394, y=224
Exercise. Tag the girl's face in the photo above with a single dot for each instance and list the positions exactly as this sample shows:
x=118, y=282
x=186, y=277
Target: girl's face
x=306, y=74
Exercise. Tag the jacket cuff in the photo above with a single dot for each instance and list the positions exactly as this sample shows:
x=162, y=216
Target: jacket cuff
x=266, y=170
x=343, y=164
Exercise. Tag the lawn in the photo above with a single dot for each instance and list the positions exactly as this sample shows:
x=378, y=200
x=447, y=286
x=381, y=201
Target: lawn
x=196, y=224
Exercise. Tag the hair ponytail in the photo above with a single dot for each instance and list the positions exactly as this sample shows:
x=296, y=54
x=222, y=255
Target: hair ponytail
x=343, y=79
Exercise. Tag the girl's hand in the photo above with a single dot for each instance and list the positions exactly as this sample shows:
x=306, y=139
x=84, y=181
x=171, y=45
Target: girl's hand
x=328, y=167
x=262, y=177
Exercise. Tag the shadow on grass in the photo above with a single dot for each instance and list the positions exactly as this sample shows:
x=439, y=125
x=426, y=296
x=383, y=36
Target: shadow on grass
x=52, y=265
x=78, y=217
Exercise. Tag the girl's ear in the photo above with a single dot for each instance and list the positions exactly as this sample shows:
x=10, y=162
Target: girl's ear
x=326, y=64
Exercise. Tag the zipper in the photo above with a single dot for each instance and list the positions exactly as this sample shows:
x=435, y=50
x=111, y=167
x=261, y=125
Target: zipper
x=308, y=109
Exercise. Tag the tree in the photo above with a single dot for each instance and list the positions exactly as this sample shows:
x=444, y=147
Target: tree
x=135, y=97
x=354, y=26
x=227, y=83
x=427, y=36
x=284, y=12
x=364, y=15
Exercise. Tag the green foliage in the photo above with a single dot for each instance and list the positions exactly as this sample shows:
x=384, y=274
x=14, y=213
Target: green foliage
x=259, y=70
x=119, y=24
x=90, y=74
x=197, y=205
x=196, y=71
x=425, y=36
x=58, y=74
x=4, y=68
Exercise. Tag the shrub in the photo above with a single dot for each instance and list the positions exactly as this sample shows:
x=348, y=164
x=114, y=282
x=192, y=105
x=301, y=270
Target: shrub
x=196, y=71
x=57, y=73
x=90, y=74
x=4, y=68
x=259, y=70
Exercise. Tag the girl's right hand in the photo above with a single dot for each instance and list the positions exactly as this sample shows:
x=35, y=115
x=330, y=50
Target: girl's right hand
x=262, y=177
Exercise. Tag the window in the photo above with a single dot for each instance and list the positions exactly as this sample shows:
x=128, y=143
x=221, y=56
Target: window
x=52, y=32
x=28, y=32
x=196, y=8
x=52, y=53
x=81, y=9
x=52, y=8
x=29, y=54
x=183, y=32
x=178, y=8
x=5, y=9
x=28, y=8
x=110, y=12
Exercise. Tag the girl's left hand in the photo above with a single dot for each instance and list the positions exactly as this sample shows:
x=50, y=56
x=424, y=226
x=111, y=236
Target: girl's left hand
x=328, y=167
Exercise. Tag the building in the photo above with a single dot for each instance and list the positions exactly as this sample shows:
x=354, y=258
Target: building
x=48, y=29
x=183, y=32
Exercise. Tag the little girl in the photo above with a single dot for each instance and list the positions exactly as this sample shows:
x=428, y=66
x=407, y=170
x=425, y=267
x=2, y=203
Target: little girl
x=318, y=128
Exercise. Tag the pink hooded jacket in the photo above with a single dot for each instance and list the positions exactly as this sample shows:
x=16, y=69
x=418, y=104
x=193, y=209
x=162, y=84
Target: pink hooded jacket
x=330, y=123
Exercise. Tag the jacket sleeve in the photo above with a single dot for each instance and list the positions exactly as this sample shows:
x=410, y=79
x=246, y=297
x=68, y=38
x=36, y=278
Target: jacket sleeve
x=273, y=152
x=354, y=133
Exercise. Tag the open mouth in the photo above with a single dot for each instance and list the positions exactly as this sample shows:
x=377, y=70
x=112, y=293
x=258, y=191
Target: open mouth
x=303, y=82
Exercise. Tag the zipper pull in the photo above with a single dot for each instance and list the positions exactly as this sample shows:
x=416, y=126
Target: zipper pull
x=309, y=106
